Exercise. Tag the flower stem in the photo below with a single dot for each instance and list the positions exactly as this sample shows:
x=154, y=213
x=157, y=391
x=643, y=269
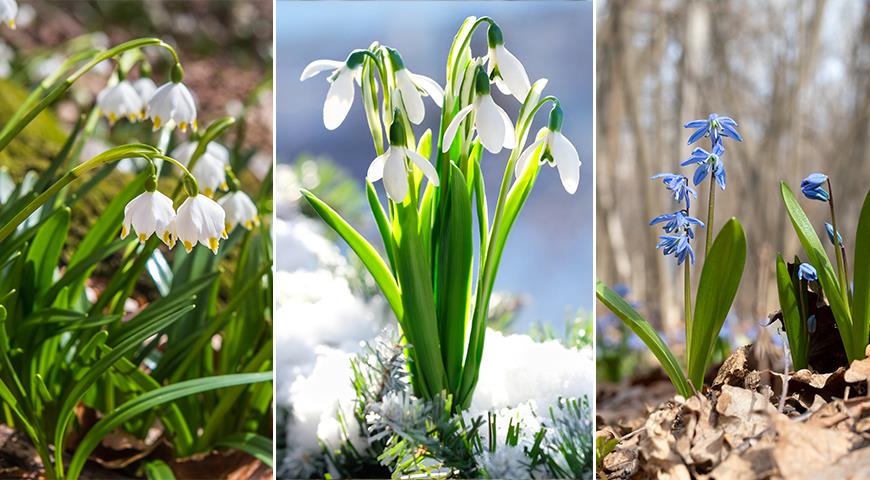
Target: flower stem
x=841, y=266
x=711, y=206
x=687, y=294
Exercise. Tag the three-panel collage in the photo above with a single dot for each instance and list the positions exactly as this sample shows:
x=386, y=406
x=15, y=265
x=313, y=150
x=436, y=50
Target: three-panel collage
x=579, y=239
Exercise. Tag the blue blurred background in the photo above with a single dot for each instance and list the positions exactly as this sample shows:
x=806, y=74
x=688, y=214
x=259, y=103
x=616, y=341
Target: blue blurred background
x=549, y=256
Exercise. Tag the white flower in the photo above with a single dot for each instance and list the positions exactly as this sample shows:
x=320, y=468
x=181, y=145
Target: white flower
x=120, y=101
x=341, y=91
x=184, y=152
x=410, y=85
x=558, y=152
x=240, y=210
x=510, y=75
x=172, y=104
x=8, y=12
x=392, y=166
x=491, y=122
x=506, y=462
x=147, y=214
x=200, y=220
x=145, y=87
x=211, y=174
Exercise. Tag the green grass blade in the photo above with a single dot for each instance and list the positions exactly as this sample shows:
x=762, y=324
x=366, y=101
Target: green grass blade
x=791, y=315
x=44, y=252
x=720, y=279
x=149, y=401
x=381, y=221
x=861, y=279
x=158, y=470
x=364, y=250
x=616, y=304
x=255, y=445
x=827, y=276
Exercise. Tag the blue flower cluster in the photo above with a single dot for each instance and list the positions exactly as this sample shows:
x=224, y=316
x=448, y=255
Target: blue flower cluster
x=717, y=128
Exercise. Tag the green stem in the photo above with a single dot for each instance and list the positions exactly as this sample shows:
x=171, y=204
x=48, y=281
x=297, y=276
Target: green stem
x=687, y=297
x=841, y=266
x=711, y=205
x=801, y=353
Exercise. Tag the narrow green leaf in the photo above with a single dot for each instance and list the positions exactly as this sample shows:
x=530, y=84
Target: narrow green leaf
x=381, y=221
x=255, y=445
x=158, y=470
x=791, y=315
x=861, y=280
x=647, y=334
x=720, y=279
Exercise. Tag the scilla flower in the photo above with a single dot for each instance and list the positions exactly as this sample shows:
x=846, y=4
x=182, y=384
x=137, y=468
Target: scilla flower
x=413, y=87
x=393, y=165
x=813, y=187
x=120, y=101
x=678, y=185
x=341, y=91
x=240, y=210
x=830, y=230
x=807, y=272
x=715, y=127
x=678, y=245
x=150, y=213
x=707, y=162
x=8, y=12
x=678, y=220
x=558, y=152
x=200, y=220
x=145, y=87
x=172, y=104
x=509, y=74
x=491, y=122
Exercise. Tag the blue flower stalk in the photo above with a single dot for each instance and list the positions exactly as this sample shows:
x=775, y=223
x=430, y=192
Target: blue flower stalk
x=813, y=187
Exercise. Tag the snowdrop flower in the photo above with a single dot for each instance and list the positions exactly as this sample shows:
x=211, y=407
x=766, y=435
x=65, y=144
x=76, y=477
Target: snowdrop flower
x=211, y=173
x=173, y=104
x=240, y=210
x=491, y=122
x=200, y=220
x=413, y=87
x=341, y=91
x=120, y=101
x=145, y=87
x=813, y=187
x=558, y=152
x=8, y=12
x=509, y=74
x=150, y=213
x=393, y=165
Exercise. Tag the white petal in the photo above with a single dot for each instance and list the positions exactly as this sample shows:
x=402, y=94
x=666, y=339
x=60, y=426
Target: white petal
x=567, y=161
x=513, y=73
x=183, y=152
x=510, y=138
x=210, y=173
x=454, y=127
x=429, y=86
x=145, y=87
x=424, y=165
x=338, y=100
x=396, y=175
x=411, y=97
x=526, y=155
x=318, y=66
x=218, y=151
x=490, y=125
x=376, y=169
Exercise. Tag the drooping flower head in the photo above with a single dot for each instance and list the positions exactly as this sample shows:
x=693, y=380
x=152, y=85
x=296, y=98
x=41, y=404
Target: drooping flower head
x=807, y=272
x=120, y=101
x=830, y=230
x=715, y=127
x=172, y=104
x=503, y=67
x=813, y=187
x=200, y=220
x=240, y=210
x=8, y=12
x=491, y=122
x=678, y=245
x=677, y=221
x=393, y=165
x=678, y=185
x=150, y=213
x=341, y=91
x=558, y=152
x=210, y=168
x=413, y=88
x=145, y=87
x=708, y=162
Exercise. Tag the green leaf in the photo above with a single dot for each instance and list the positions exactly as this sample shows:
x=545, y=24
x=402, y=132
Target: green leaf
x=827, y=277
x=369, y=256
x=861, y=279
x=149, y=401
x=647, y=334
x=255, y=445
x=720, y=279
x=791, y=315
x=158, y=470
x=382, y=222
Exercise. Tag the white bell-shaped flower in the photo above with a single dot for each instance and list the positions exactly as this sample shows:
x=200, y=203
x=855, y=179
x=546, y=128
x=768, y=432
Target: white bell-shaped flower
x=413, y=87
x=145, y=87
x=8, y=12
x=172, y=104
x=493, y=126
x=341, y=91
x=509, y=74
x=184, y=152
x=558, y=152
x=393, y=165
x=240, y=210
x=211, y=174
x=147, y=214
x=200, y=220
x=120, y=101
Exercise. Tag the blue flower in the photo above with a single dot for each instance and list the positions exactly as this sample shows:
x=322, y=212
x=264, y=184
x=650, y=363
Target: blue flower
x=807, y=272
x=708, y=161
x=678, y=246
x=813, y=187
x=715, y=127
x=678, y=185
x=830, y=229
x=678, y=220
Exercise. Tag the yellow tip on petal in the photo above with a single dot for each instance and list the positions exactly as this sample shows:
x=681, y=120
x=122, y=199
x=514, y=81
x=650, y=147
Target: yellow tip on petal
x=208, y=192
x=187, y=246
x=249, y=224
x=12, y=24
x=112, y=118
x=256, y=220
x=224, y=234
x=142, y=237
x=224, y=186
x=132, y=117
x=228, y=227
x=124, y=232
x=213, y=244
x=167, y=238
x=183, y=126
x=156, y=121
x=193, y=125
